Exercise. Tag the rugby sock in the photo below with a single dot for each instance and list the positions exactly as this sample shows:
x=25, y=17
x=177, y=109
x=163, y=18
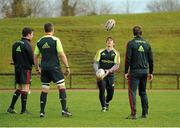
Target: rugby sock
x=14, y=98
x=62, y=97
x=43, y=99
x=23, y=101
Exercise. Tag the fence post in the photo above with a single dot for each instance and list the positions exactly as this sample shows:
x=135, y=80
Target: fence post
x=70, y=80
x=177, y=81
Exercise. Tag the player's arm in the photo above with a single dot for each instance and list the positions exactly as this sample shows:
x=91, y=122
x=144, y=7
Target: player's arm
x=36, y=59
x=63, y=56
x=151, y=64
x=13, y=54
x=150, y=59
x=127, y=59
x=64, y=59
x=96, y=61
x=117, y=63
x=30, y=54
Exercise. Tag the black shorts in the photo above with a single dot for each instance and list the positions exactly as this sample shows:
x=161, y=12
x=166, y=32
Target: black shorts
x=55, y=75
x=22, y=76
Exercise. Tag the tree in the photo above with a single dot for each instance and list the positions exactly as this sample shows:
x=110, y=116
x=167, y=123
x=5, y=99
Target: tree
x=93, y=7
x=40, y=8
x=14, y=8
x=105, y=8
x=126, y=6
x=68, y=9
x=164, y=5
x=53, y=8
x=84, y=7
x=87, y=7
x=33, y=7
x=25, y=8
x=3, y=7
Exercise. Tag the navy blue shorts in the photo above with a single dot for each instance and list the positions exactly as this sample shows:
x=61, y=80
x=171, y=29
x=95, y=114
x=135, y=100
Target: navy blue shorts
x=55, y=75
x=22, y=76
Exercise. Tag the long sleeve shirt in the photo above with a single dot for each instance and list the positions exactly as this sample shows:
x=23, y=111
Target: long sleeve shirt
x=138, y=56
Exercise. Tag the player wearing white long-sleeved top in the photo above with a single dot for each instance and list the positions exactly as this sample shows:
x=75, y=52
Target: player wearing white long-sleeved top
x=109, y=60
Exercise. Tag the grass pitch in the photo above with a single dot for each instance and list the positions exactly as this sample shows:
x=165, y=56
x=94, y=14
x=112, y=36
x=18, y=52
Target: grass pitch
x=164, y=110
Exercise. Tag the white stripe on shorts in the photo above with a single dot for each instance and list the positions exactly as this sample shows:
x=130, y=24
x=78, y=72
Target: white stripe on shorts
x=60, y=81
x=45, y=83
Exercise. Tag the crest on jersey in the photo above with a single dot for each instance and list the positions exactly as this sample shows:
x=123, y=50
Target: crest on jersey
x=18, y=49
x=141, y=49
x=46, y=45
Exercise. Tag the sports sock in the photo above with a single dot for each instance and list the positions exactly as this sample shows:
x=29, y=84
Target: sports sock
x=43, y=99
x=23, y=101
x=62, y=97
x=14, y=98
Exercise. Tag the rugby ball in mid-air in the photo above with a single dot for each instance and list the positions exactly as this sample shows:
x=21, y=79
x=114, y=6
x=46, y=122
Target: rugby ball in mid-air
x=110, y=24
x=100, y=73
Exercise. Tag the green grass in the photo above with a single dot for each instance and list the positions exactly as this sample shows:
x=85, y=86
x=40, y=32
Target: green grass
x=89, y=81
x=86, y=111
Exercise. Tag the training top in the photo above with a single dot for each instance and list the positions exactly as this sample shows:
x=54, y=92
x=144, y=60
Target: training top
x=49, y=46
x=106, y=59
x=138, y=56
x=22, y=54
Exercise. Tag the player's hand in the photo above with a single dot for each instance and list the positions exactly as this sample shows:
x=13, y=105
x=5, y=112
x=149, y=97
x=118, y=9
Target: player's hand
x=67, y=72
x=150, y=77
x=106, y=72
x=126, y=76
x=38, y=72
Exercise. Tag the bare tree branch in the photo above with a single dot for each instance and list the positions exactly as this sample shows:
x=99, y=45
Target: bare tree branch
x=93, y=7
x=164, y=5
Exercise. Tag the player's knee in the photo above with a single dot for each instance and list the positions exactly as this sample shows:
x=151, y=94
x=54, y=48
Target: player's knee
x=61, y=85
x=24, y=91
x=19, y=87
x=25, y=88
x=45, y=88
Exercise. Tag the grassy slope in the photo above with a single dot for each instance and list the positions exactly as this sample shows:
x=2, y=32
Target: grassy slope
x=86, y=111
x=83, y=36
